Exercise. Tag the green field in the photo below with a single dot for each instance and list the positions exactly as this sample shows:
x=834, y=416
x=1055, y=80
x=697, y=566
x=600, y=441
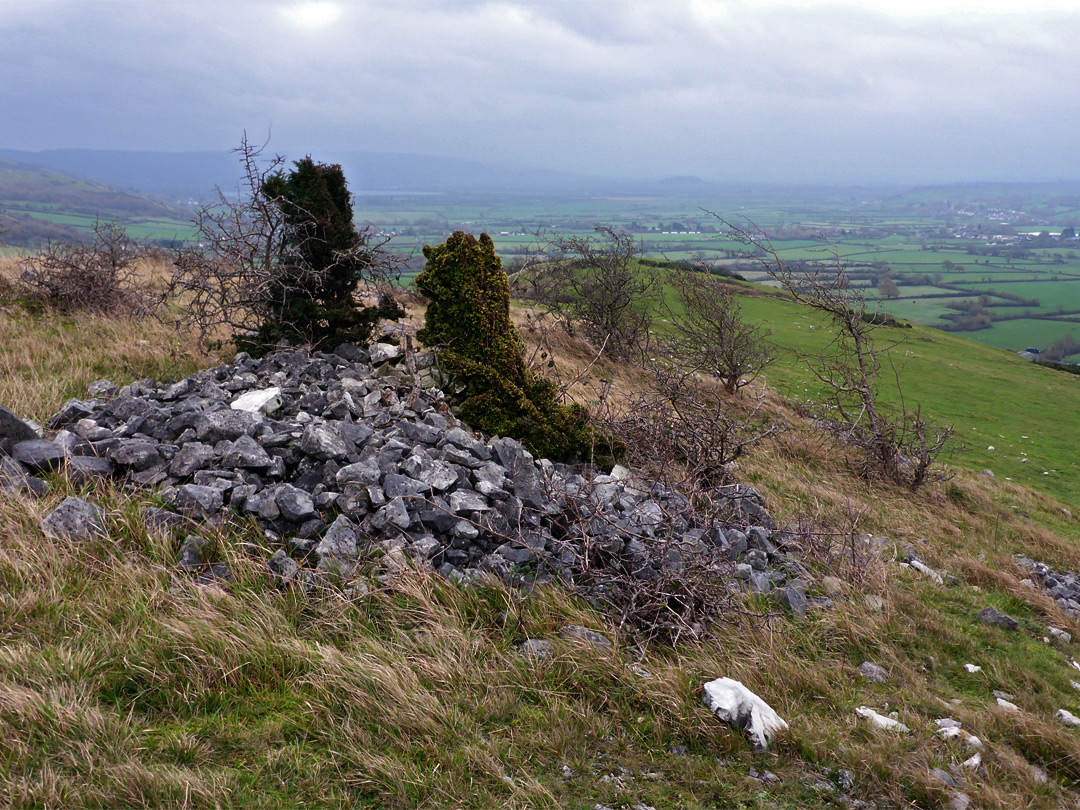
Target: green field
x=991, y=397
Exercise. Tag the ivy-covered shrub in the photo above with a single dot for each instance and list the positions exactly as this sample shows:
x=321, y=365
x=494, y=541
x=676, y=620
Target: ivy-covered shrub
x=468, y=321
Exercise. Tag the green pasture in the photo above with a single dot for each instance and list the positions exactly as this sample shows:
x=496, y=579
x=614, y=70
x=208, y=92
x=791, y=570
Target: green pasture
x=991, y=397
x=1021, y=333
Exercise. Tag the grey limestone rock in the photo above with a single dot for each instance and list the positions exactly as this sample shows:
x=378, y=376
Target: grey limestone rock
x=226, y=424
x=537, y=649
x=323, y=442
x=583, y=635
x=13, y=430
x=294, y=503
x=989, y=615
x=74, y=519
x=196, y=500
x=39, y=455
x=873, y=673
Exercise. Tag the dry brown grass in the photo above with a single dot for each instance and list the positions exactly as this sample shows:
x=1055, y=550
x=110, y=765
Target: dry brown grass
x=122, y=684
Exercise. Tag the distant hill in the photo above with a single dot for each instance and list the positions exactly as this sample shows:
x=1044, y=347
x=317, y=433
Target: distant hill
x=39, y=203
x=180, y=176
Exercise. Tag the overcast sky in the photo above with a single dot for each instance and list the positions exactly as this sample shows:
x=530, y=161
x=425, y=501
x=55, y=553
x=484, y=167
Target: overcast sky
x=866, y=91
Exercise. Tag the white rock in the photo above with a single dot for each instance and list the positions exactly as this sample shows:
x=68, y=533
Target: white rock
x=1068, y=718
x=1012, y=707
x=926, y=570
x=266, y=401
x=881, y=721
x=946, y=722
x=949, y=732
x=1059, y=634
x=740, y=708
x=972, y=668
x=973, y=741
x=1075, y=685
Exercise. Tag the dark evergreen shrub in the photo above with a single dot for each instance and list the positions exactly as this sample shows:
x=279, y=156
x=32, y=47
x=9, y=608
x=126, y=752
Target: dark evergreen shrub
x=312, y=296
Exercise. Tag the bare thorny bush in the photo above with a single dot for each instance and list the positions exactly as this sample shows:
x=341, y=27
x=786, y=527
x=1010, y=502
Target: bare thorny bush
x=594, y=284
x=250, y=260
x=104, y=276
x=684, y=431
x=709, y=332
x=894, y=443
x=665, y=579
x=839, y=547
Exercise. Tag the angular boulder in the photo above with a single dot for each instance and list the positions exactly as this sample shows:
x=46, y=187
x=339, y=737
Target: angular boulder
x=741, y=709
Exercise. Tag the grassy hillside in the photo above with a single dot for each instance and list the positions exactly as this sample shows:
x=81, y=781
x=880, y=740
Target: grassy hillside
x=124, y=684
x=1030, y=415
x=38, y=204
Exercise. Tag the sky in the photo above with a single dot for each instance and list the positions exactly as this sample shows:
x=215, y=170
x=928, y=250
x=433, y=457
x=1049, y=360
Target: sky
x=869, y=91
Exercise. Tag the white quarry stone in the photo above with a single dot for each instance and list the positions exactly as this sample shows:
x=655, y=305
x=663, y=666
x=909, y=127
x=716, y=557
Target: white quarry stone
x=972, y=762
x=1058, y=634
x=1012, y=707
x=1068, y=718
x=740, y=708
x=926, y=570
x=972, y=668
x=265, y=401
x=881, y=720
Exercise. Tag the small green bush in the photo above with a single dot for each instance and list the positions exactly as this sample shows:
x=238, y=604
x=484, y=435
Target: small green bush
x=468, y=321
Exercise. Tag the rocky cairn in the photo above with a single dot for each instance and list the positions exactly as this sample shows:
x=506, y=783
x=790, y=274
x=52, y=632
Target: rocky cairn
x=340, y=454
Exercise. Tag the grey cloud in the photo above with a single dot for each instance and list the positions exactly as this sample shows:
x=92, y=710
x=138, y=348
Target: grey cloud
x=635, y=87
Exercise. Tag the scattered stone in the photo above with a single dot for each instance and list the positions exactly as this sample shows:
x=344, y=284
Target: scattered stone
x=537, y=649
x=881, y=721
x=1068, y=718
x=1003, y=695
x=961, y=801
x=38, y=455
x=12, y=431
x=874, y=603
x=14, y=477
x=794, y=600
x=1059, y=635
x=832, y=586
x=265, y=401
x=196, y=500
x=1007, y=705
x=74, y=519
x=972, y=668
x=992, y=616
x=873, y=673
x=944, y=777
x=87, y=469
x=926, y=570
x=972, y=763
x=191, y=553
x=845, y=780
x=741, y=709
x=577, y=633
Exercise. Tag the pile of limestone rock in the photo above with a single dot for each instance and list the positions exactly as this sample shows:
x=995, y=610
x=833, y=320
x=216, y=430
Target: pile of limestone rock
x=340, y=454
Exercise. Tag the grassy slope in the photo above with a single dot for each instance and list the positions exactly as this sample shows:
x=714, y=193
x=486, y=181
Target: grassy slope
x=992, y=397
x=122, y=685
